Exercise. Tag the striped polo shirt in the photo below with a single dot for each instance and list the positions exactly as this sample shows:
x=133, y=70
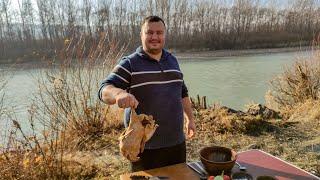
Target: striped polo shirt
x=159, y=88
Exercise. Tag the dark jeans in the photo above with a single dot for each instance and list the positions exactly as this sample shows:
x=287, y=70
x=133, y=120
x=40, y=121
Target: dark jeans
x=155, y=158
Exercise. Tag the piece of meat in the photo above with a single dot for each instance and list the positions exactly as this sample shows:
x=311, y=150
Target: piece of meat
x=140, y=130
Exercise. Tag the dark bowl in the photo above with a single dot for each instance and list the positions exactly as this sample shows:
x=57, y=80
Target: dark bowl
x=266, y=178
x=216, y=159
x=241, y=175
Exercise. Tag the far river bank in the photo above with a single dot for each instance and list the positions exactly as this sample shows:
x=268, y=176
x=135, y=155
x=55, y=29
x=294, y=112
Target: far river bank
x=39, y=62
x=230, y=52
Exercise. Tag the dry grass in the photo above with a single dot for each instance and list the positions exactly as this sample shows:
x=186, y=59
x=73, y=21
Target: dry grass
x=68, y=92
x=296, y=85
x=74, y=136
x=220, y=120
x=65, y=116
x=103, y=160
x=296, y=142
x=296, y=94
x=49, y=156
x=305, y=112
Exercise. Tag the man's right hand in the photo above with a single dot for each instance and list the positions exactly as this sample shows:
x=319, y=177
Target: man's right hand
x=125, y=100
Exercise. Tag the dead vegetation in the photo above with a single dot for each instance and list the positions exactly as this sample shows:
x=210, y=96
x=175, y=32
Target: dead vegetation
x=294, y=141
x=65, y=116
x=74, y=136
x=297, y=84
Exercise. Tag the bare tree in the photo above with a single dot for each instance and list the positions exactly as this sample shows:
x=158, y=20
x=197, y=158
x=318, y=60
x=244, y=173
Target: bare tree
x=43, y=10
x=71, y=18
x=87, y=8
x=209, y=24
x=103, y=16
x=7, y=17
x=27, y=18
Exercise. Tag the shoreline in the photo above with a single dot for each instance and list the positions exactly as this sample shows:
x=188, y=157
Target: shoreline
x=182, y=55
x=231, y=53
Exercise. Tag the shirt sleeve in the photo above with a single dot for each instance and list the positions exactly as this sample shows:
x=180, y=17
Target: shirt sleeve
x=119, y=77
x=184, y=90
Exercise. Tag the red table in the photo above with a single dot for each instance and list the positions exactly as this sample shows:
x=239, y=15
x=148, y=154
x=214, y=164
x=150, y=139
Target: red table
x=261, y=163
x=258, y=163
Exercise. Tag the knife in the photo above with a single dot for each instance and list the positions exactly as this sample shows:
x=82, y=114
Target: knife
x=137, y=177
x=199, y=164
x=195, y=166
x=158, y=177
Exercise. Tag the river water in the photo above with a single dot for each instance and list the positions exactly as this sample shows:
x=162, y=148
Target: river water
x=235, y=81
x=230, y=81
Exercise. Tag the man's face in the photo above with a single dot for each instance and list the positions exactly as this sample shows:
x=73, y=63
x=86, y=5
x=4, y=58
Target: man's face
x=153, y=37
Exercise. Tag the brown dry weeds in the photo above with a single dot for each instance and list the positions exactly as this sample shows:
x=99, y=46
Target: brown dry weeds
x=294, y=141
x=87, y=145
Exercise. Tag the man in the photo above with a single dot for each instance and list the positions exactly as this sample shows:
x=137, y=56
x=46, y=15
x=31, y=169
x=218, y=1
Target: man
x=150, y=81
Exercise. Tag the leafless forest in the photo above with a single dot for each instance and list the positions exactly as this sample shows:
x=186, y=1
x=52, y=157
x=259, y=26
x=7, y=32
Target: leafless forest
x=32, y=28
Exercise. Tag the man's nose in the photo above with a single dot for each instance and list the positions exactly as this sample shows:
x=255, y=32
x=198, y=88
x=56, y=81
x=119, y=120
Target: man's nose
x=154, y=36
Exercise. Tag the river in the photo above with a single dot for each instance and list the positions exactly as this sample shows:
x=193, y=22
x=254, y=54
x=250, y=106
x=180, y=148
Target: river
x=235, y=81
x=230, y=81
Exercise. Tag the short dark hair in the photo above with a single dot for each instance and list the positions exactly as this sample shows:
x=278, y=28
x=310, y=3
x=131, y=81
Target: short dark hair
x=152, y=19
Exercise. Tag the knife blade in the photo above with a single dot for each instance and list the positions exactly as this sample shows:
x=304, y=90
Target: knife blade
x=158, y=177
x=194, y=166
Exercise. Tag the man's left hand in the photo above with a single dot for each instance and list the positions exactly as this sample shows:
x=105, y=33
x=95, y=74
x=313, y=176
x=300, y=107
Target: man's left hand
x=191, y=129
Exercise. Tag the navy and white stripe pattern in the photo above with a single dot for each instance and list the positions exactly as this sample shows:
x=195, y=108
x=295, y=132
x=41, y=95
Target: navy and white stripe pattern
x=122, y=73
x=159, y=88
x=155, y=77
